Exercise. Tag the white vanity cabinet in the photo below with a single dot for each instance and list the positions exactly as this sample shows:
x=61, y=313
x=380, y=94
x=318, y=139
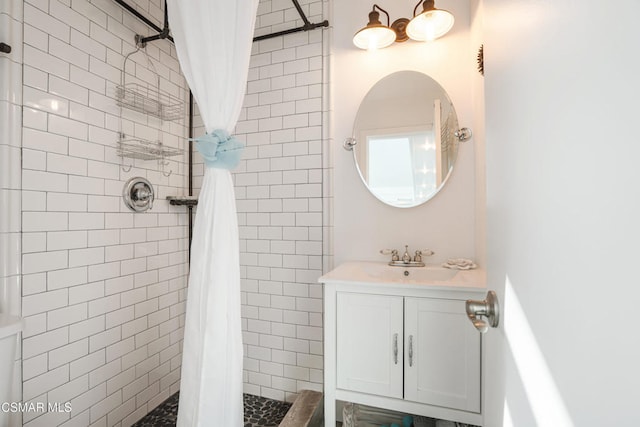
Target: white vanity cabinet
x=404, y=347
x=369, y=343
x=442, y=360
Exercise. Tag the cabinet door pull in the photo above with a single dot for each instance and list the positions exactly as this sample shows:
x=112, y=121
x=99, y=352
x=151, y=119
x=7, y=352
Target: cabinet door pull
x=410, y=350
x=395, y=348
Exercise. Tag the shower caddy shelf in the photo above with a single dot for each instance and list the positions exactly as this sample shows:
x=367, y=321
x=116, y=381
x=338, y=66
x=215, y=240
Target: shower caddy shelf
x=152, y=102
x=142, y=149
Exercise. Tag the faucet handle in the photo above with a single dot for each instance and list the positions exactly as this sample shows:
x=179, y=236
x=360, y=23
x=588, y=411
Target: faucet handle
x=422, y=252
x=392, y=252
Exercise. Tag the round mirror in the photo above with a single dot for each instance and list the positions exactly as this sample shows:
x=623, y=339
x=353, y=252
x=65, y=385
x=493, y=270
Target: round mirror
x=403, y=139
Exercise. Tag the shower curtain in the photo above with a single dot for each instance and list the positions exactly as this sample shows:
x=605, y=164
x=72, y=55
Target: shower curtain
x=213, y=40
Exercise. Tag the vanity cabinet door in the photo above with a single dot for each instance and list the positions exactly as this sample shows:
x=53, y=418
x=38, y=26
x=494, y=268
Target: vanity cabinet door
x=369, y=343
x=442, y=354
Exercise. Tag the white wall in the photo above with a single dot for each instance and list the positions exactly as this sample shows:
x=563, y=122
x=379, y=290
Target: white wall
x=103, y=288
x=562, y=90
x=279, y=193
x=362, y=224
x=479, y=138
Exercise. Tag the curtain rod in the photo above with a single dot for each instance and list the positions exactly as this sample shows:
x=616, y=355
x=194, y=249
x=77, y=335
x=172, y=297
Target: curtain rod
x=306, y=27
x=148, y=22
x=163, y=33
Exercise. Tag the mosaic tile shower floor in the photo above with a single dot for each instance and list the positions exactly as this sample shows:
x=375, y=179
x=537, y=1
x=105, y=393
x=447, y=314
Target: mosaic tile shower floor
x=258, y=412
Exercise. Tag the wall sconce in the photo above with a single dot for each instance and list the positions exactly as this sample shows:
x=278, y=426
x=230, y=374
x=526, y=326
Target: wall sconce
x=375, y=35
x=429, y=25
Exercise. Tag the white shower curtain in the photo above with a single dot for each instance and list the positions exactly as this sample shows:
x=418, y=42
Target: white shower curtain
x=213, y=41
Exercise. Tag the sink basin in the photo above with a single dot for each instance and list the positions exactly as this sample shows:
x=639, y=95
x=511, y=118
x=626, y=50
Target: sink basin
x=429, y=273
x=365, y=272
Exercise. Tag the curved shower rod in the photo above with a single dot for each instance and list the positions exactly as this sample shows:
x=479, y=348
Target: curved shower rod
x=163, y=33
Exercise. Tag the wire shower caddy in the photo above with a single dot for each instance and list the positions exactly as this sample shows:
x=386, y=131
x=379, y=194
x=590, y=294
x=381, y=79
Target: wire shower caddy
x=150, y=101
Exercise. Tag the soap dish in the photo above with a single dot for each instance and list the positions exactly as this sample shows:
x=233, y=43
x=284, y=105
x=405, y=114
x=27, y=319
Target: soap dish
x=459, y=264
x=182, y=200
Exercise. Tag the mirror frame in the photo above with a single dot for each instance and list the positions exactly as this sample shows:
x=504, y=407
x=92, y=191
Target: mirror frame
x=458, y=135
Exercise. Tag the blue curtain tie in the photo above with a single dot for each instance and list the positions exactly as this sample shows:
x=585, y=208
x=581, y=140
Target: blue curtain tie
x=219, y=149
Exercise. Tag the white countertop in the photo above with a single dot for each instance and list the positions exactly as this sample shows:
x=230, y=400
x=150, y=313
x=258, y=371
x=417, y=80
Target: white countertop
x=432, y=275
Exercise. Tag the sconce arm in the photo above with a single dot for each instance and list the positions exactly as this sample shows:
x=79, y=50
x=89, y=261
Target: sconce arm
x=375, y=6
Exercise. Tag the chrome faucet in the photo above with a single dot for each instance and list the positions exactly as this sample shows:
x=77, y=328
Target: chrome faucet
x=407, y=260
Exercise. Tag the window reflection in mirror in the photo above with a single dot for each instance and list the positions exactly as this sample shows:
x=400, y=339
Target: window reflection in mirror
x=401, y=167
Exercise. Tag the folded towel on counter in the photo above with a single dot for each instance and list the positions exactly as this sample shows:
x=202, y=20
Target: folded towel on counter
x=459, y=264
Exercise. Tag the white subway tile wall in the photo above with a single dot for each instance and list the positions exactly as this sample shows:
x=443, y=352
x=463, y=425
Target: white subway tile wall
x=279, y=193
x=11, y=30
x=104, y=288
x=10, y=146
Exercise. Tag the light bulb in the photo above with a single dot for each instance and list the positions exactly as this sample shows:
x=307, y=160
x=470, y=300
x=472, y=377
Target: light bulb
x=374, y=38
x=430, y=25
x=374, y=35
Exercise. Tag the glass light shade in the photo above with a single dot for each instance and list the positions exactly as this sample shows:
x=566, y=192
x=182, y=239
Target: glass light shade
x=430, y=24
x=374, y=37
